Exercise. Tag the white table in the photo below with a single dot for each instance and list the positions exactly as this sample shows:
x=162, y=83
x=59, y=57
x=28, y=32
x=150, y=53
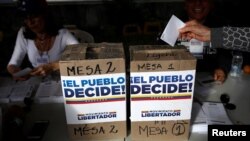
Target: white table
x=238, y=90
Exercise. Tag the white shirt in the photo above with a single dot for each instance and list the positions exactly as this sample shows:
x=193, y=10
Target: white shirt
x=25, y=46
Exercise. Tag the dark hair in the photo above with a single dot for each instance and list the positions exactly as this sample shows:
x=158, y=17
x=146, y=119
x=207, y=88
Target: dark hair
x=50, y=28
x=37, y=8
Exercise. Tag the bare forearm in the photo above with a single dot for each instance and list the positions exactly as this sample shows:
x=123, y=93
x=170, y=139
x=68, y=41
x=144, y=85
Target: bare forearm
x=12, y=69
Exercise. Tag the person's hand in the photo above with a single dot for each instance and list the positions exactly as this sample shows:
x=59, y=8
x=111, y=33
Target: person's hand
x=246, y=69
x=12, y=69
x=193, y=29
x=219, y=75
x=42, y=70
x=45, y=69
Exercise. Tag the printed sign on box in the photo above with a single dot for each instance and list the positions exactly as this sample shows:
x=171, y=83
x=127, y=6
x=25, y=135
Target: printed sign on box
x=161, y=91
x=94, y=88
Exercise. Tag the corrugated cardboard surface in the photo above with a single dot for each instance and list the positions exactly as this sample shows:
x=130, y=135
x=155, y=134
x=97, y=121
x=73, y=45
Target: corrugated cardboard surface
x=160, y=130
x=147, y=59
x=154, y=49
x=171, y=58
x=98, y=131
x=92, y=67
x=94, y=61
x=75, y=52
x=88, y=51
x=92, y=58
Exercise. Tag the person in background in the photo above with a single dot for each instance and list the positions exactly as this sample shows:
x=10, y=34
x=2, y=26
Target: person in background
x=204, y=12
x=230, y=38
x=40, y=38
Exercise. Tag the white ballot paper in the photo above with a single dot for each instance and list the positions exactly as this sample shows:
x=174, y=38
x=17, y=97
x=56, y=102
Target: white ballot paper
x=23, y=72
x=216, y=113
x=49, y=92
x=171, y=31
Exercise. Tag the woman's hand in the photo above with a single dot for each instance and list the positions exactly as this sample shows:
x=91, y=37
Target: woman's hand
x=45, y=69
x=12, y=69
x=193, y=29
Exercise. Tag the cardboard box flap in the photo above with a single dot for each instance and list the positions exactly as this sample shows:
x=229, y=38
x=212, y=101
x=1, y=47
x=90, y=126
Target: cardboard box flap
x=89, y=51
x=148, y=58
x=75, y=52
x=161, y=54
x=105, y=50
x=155, y=48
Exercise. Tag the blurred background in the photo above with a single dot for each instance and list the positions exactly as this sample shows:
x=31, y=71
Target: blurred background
x=127, y=21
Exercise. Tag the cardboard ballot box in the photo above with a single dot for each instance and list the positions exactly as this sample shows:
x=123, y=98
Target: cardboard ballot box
x=94, y=89
x=161, y=92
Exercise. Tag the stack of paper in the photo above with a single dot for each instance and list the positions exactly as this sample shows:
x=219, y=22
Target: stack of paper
x=17, y=91
x=20, y=92
x=216, y=113
x=49, y=92
x=4, y=94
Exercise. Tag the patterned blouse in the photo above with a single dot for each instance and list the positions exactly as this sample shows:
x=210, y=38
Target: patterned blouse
x=234, y=38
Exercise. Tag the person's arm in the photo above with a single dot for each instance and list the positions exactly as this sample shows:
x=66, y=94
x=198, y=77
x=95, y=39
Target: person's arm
x=234, y=38
x=193, y=29
x=216, y=37
x=66, y=39
x=18, y=53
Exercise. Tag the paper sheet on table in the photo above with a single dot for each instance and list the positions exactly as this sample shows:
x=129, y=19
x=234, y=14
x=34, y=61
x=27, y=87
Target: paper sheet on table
x=199, y=119
x=216, y=113
x=171, y=31
x=198, y=115
x=21, y=91
x=47, y=89
x=49, y=92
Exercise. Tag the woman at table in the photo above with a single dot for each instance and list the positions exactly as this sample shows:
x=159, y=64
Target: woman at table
x=40, y=38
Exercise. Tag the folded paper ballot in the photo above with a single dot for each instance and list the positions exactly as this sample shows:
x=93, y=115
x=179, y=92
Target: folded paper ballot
x=23, y=72
x=171, y=31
